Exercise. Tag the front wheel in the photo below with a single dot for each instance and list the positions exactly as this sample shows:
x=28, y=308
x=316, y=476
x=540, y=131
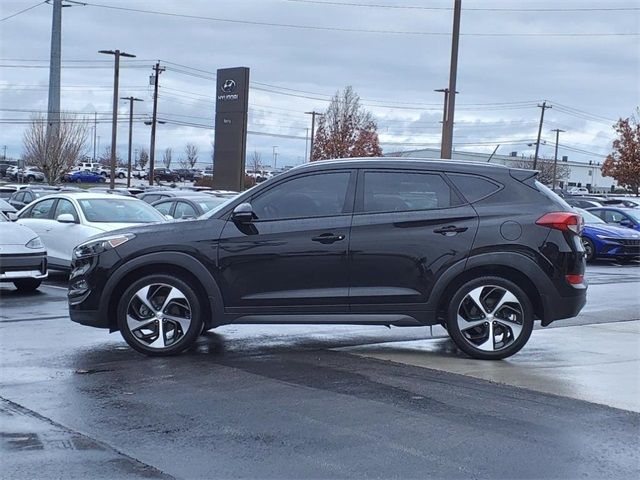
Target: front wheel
x=121, y=176
x=490, y=318
x=27, y=284
x=160, y=315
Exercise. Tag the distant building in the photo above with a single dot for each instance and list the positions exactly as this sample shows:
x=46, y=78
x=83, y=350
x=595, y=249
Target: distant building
x=581, y=174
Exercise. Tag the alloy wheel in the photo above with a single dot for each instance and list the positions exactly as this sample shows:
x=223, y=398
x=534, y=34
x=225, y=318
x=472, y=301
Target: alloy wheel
x=158, y=316
x=490, y=318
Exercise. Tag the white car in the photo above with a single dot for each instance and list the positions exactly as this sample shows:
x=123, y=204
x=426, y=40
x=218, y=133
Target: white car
x=578, y=191
x=23, y=259
x=64, y=220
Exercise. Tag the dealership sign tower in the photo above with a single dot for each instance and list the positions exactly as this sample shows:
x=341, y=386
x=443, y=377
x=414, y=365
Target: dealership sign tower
x=230, y=147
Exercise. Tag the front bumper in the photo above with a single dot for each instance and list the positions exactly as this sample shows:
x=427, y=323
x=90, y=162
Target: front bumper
x=22, y=266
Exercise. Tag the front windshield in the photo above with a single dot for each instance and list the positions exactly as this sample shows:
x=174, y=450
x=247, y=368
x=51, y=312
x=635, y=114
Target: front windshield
x=116, y=210
x=588, y=217
x=633, y=214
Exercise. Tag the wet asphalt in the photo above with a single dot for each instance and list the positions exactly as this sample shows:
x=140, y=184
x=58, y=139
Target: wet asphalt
x=279, y=402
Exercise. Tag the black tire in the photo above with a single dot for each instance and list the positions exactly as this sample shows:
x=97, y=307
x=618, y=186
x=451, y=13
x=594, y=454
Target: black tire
x=103, y=180
x=27, y=284
x=589, y=249
x=121, y=176
x=186, y=339
x=78, y=180
x=181, y=179
x=461, y=339
x=31, y=178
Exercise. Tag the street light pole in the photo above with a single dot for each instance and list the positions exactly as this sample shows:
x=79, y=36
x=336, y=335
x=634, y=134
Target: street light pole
x=131, y=100
x=555, y=157
x=114, y=123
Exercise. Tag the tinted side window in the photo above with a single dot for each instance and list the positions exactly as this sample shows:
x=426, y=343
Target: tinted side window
x=40, y=209
x=183, y=209
x=613, y=217
x=406, y=191
x=18, y=196
x=473, y=188
x=316, y=195
x=164, y=207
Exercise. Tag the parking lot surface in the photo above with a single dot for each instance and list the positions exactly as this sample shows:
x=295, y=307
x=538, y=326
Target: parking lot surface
x=319, y=401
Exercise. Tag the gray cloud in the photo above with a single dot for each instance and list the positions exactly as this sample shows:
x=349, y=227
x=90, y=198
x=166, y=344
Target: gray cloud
x=599, y=75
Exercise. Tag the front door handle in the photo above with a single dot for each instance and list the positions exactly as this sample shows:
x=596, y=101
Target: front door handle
x=450, y=230
x=327, y=238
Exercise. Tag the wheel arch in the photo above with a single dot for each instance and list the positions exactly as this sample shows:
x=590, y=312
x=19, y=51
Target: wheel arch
x=180, y=264
x=516, y=267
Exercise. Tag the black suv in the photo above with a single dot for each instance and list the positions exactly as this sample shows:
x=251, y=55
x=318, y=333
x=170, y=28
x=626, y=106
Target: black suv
x=164, y=175
x=481, y=249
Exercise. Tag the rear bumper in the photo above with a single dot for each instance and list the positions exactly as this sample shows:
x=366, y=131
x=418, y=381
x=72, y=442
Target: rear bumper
x=558, y=307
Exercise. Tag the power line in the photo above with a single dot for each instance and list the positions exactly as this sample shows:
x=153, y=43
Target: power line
x=477, y=9
x=22, y=11
x=354, y=30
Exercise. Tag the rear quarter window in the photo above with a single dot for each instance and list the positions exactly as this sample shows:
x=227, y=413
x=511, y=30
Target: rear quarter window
x=473, y=187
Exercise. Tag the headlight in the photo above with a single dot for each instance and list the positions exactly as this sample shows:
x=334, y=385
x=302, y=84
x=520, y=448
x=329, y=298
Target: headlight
x=605, y=237
x=99, y=245
x=35, y=243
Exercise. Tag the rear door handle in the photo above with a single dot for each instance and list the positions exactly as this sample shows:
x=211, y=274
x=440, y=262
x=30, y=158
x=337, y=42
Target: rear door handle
x=450, y=230
x=327, y=238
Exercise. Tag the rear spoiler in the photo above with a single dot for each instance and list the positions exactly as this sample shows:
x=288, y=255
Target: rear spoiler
x=521, y=174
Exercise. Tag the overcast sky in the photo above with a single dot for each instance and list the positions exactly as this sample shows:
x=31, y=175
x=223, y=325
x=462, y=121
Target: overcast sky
x=589, y=80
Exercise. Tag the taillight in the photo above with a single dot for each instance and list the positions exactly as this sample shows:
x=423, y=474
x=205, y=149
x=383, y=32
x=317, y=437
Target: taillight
x=565, y=221
x=574, y=279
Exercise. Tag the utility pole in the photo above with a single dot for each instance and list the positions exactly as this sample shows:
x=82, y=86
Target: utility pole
x=555, y=157
x=275, y=156
x=53, y=108
x=95, y=132
x=313, y=130
x=157, y=69
x=4, y=155
x=447, y=137
x=114, y=123
x=306, y=144
x=444, y=117
x=131, y=100
x=544, y=106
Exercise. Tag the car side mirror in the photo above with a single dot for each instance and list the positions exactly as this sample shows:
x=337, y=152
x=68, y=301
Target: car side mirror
x=168, y=217
x=626, y=223
x=243, y=213
x=66, y=218
x=12, y=216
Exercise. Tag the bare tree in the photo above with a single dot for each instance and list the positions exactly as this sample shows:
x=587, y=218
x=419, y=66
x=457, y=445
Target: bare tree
x=143, y=159
x=255, y=162
x=166, y=157
x=191, y=152
x=104, y=158
x=346, y=130
x=545, y=167
x=56, y=153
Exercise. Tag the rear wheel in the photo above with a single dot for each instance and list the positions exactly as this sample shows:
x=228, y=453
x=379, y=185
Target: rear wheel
x=490, y=318
x=589, y=249
x=27, y=284
x=160, y=315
